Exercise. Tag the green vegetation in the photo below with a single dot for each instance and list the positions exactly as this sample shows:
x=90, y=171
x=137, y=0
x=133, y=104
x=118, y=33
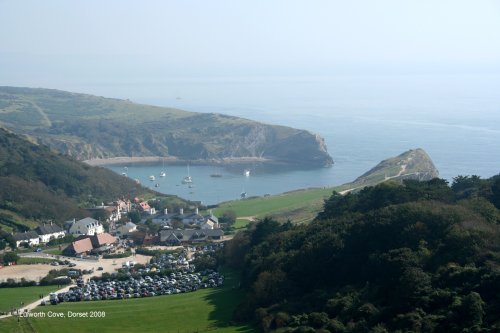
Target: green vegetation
x=303, y=205
x=203, y=310
x=305, y=201
x=33, y=261
x=87, y=127
x=410, y=257
x=37, y=184
x=12, y=297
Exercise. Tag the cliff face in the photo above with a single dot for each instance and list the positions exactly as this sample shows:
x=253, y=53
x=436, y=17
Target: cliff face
x=89, y=127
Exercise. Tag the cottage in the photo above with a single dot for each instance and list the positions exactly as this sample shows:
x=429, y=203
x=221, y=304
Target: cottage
x=47, y=232
x=86, y=226
x=165, y=218
x=207, y=225
x=28, y=237
x=144, y=207
x=126, y=229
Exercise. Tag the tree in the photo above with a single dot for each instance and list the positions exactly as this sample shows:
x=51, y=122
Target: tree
x=228, y=217
x=134, y=216
x=10, y=257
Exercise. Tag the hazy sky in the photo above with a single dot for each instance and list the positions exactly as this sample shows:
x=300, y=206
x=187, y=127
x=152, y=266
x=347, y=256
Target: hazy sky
x=43, y=42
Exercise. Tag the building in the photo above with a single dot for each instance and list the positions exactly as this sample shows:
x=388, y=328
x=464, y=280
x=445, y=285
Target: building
x=86, y=226
x=78, y=247
x=86, y=244
x=47, y=232
x=28, y=237
x=144, y=207
x=189, y=236
x=191, y=219
x=126, y=229
x=207, y=225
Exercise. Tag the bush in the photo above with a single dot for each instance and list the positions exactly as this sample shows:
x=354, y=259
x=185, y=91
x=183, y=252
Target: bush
x=117, y=255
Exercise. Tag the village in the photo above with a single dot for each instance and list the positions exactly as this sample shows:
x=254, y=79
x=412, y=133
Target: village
x=154, y=256
x=90, y=237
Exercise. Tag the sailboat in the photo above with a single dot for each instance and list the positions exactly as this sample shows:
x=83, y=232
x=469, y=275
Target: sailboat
x=163, y=173
x=247, y=173
x=187, y=179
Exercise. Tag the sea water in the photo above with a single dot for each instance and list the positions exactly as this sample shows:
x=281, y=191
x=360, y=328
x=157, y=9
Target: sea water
x=364, y=119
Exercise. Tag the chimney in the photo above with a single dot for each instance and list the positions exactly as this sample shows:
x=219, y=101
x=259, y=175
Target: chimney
x=197, y=211
x=166, y=211
x=181, y=211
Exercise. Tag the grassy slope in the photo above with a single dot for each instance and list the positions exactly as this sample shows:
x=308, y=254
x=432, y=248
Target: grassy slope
x=207, y=309
x=87, y=126
x=304, y=205
x=297, y=205
x=11, y=297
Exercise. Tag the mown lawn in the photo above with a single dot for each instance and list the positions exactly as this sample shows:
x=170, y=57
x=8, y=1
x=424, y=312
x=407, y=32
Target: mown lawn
x=200, y=311
x=12, y=297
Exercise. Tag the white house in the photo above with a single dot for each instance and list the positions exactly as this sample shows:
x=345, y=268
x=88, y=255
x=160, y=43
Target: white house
x=86, y=226
x=207, y=225
x=126, y=229
x=29, y=237
x=49, y=231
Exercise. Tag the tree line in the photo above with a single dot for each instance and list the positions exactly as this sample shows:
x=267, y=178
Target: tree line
x=397, y=257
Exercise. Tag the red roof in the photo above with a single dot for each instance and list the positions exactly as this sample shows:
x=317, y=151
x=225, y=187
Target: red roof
x=103, y=239
x=82, y=246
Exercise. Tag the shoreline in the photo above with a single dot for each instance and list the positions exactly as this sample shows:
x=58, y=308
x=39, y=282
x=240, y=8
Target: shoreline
x=175, y=160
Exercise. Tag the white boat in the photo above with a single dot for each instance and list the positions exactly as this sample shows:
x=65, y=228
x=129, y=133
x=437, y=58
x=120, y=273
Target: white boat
x=163, y=173
x=247, y=173
x=151, y=178
x=187, y=179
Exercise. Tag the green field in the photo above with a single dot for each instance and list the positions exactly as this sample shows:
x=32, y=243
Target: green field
x=12, y=297
x=204, y=310
x=298, y=206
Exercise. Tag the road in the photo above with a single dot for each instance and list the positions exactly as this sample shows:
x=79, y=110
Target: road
x=108, y=265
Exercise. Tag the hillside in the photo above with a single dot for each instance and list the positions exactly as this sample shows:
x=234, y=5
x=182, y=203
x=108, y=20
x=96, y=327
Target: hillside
x=37, y=184
x=410, y=257
x=303, y=205
x=89, y=127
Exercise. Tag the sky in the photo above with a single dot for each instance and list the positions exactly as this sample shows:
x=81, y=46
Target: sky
x=51, y=43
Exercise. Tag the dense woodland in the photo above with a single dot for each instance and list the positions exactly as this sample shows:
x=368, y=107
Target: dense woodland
x=411, y=257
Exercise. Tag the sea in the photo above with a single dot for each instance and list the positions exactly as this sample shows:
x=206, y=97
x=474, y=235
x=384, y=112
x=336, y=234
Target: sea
x=364, y=119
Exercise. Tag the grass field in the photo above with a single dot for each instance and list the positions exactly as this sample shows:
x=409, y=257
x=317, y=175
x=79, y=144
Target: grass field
x=12, y=297
x=201, y=311
x=299, y=206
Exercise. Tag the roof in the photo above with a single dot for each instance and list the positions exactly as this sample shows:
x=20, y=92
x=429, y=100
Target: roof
x=81, y=246
x=130, y=225
x=48, y=229
x=20, y=236
x=212, y=217
x=190, y=234
x=102, y=239
x=88, y=221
